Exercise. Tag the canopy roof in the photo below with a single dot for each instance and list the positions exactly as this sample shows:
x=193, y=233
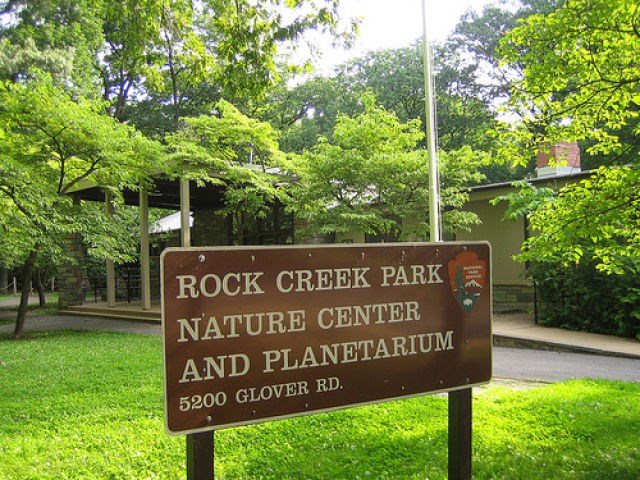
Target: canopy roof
x=165, y=194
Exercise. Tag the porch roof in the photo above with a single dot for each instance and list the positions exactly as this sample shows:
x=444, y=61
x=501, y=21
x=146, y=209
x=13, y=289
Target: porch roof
x=164, y=194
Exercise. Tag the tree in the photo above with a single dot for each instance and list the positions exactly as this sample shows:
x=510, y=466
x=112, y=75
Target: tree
x=222, y=50
x=182, y=55
x=20, y=62
x=370, y=176
x=476, y=41
x=111, y=57
x=49, y=144
x=570, y=258
x=581, y=83
x=309, y=110
x=69, y=29
x=396, y=77
x=568, y=226
x=587, y=80
x=230, y=149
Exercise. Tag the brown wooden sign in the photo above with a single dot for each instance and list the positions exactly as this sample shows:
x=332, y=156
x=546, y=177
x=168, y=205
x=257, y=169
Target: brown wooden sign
x=252, y=334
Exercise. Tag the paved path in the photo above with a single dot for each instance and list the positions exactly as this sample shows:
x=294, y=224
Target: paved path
x=10, y=302
x=519, y=330
x=548, y=366
x=573, y=355
x=60, y=322
x=510, y=330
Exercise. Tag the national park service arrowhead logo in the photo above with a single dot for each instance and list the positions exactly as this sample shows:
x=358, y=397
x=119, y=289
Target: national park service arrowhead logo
x=467, y=278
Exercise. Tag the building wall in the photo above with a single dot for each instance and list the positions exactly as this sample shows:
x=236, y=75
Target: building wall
x=511, y=289
x=505, y=237
x=210, y=228
x=351, y=237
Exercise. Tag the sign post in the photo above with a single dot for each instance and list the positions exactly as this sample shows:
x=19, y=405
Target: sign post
x=200, y=456
x=256, y=334
x=459, y=451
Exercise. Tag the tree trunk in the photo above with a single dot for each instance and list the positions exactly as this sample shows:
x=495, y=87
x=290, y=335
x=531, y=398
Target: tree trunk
x=40, y=287
x=4, y=280
x=24, y=297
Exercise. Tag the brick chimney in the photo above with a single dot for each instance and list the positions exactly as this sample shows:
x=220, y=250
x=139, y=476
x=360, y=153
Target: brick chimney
x=565, y=157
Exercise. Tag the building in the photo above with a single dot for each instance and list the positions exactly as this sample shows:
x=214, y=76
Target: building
x=206, y=226
x=512, y=290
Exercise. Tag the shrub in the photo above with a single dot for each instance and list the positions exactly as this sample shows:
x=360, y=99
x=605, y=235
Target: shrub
x=580, y=297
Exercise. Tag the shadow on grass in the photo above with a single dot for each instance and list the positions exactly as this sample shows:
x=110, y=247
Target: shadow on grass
x=97, y=396
x=393, y=440
x=579, y=429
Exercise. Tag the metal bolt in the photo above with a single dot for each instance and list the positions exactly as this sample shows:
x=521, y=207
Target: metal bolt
x=201, y=258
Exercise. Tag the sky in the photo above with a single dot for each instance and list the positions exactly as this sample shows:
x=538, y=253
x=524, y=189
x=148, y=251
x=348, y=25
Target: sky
x=397, y=23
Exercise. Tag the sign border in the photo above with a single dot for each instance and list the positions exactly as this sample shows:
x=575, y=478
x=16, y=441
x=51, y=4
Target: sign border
x=350, y=246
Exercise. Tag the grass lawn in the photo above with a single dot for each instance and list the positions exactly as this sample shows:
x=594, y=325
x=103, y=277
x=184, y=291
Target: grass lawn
x=90, y=406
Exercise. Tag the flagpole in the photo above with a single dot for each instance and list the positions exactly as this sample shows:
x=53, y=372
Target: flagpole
x=460, y=401
x=430, y=126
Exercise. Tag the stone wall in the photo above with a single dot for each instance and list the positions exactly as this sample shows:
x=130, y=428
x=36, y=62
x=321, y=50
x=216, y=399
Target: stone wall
x=509, y=298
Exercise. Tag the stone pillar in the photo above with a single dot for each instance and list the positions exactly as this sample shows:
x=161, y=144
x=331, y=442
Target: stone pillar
x=70, y=278
x=71, y=285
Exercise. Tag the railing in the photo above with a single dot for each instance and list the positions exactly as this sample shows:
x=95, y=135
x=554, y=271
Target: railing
x=128, y=286
x=14, y=286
